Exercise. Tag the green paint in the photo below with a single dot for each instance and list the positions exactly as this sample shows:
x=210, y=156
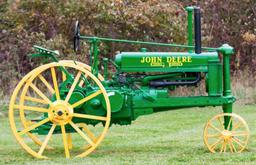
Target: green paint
x=164, y=62
x=105, y=65
x=190, y=10
x=103, y=39
x=95, y=64
x=226, y=51
x=129, y=89
x=147, y=79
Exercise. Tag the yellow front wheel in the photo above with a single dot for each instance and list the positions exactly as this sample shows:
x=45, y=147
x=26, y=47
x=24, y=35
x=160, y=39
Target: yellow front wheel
x=234, y=137
x=31, y=107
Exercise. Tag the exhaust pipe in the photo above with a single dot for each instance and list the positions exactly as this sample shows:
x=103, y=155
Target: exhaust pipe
x=197, y=28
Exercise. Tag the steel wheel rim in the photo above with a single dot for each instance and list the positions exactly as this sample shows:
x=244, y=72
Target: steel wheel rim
x=226, y=139
x=22, y=116
x=31, y=76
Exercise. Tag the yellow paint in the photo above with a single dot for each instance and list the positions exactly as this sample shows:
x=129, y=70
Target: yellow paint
x=32, y=99
x=86, y=129
x=169, y=61
x=64, y=77
x=33, y=126
x=89, y=133
x=226, y=138
x=46, y=139
x=178, y=61
x=65, y=143
x=81, y=83
x=81, y=133
x=73, y=86
x=46, y=83
x=153, y=61
x=89, y=117
x=86, y=98
x=26, y=123
x=30, y=108
x=17, y=102
x=55, y=84
x=60, y=106
x=40, y=93
x=70, y=145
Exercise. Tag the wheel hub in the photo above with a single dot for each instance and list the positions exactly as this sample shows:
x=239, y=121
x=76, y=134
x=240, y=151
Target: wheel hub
x=60, y=112
x=226, y=134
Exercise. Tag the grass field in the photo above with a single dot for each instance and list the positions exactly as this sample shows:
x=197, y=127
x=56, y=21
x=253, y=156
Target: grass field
x=172, y=137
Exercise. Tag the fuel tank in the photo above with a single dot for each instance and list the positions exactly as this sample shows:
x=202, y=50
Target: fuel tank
x=165, y=62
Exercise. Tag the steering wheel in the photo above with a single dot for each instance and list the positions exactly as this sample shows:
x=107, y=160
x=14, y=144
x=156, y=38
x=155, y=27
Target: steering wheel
x=77, y=37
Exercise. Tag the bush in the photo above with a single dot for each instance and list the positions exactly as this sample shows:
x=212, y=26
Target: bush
x=50, y=24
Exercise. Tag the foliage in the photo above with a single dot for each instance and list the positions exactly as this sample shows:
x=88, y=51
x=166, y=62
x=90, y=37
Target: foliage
x=233, y=22
x=50, y=24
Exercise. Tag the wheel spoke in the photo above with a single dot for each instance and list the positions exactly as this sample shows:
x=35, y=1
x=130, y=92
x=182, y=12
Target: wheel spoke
x=55, y=84
x=214, y=127
x=40, y=93
x=225, y=146
x=86, y=99
x=221, y=124
x=37, y=141
x=65, y=142
x=33, y=126
x=229, y=123
x=213, y=135
x=81, y=133
x=35, y=100
x=81, y=83
x=70, y=145
x=226, y=139
x=242, y=142
x=86, y=129
x=222, y=147
x=237, y=142
x=230, y=146
x=30, y=108
x=46, y=83
x=89, y=117
x=64, y=77
x=212, y=147
x=84, y=80
x=233, y=146
x=239, y=133
x=237, y=125
x=73, y=86
x=46, y=139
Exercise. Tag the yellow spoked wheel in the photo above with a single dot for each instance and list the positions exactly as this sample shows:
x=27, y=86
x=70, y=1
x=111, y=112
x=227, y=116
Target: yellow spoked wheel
x=31, y=107
x=22, y=115
x=234, y=137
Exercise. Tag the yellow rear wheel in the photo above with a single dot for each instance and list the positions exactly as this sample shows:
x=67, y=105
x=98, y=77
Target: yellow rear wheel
x=27, y=123
x=32, y=99
x=233, y=138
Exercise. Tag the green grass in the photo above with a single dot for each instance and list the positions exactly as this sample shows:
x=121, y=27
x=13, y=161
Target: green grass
x=172, y=137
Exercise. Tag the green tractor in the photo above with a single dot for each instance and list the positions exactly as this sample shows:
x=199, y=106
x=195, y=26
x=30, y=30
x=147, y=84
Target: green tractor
x=73, y=100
